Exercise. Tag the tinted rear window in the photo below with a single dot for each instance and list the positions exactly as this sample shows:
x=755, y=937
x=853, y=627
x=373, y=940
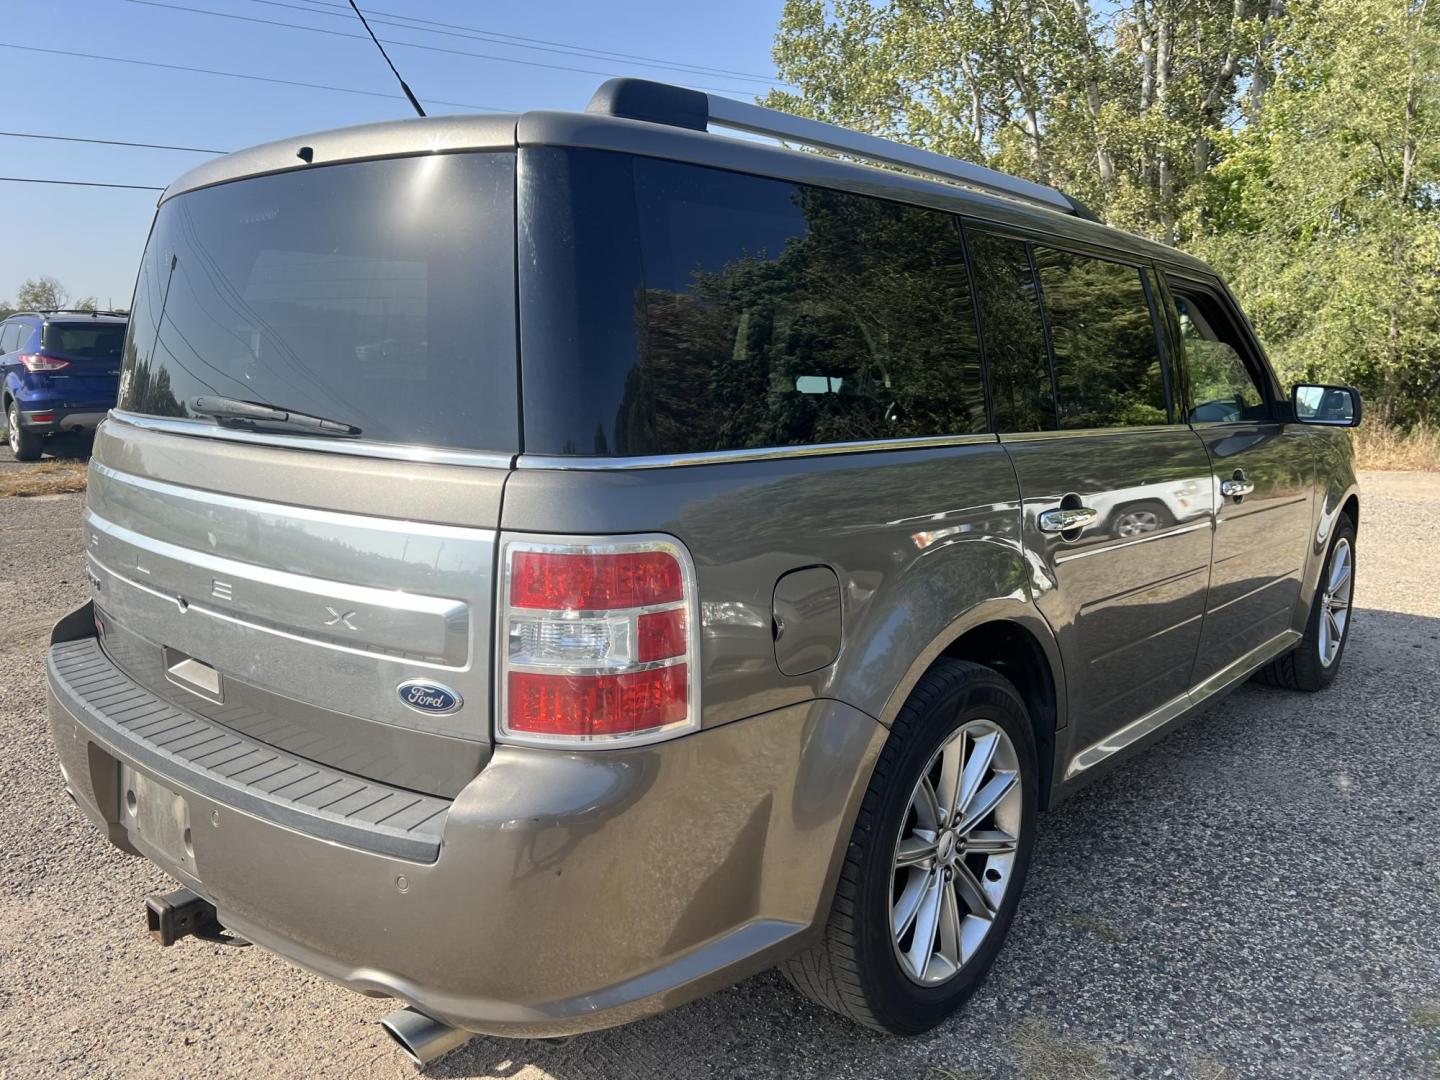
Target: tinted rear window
x=380, y=294
x=1107, y=357
x=671, y=308
x=84, y=342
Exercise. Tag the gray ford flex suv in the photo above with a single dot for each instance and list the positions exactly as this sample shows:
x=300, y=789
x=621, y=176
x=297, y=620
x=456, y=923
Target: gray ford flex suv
x=546, y=567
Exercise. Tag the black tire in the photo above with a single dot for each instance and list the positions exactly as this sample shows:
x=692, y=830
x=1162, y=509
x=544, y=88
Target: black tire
x=1301, y=668
x=25, y=445
x=852, y=967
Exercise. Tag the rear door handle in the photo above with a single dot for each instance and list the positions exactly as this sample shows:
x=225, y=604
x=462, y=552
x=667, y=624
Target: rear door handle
x=1067, y=519
x=1237, y=488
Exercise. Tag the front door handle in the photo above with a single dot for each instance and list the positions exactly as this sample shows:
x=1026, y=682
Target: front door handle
x=1067, y=519
x=1237, y=487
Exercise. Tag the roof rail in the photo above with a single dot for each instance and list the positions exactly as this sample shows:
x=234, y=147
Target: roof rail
x=661, y=103
x=75, y=311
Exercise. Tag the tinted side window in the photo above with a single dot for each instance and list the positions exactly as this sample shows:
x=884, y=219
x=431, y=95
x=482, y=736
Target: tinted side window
x=758, y=313
x=1107, y=360
x=1020, y=386
x=9, y=335
x=1222, y=387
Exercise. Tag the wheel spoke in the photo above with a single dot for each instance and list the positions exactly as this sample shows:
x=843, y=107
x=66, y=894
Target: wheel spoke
x=915, y=849
x=952, y=769
x=927, y=807
x=975, y=769
x=971, y=893
x=1334, y=625
x=986, y=800
x=952, y=946
x=1340, y=573
x=990, y=842
x=927, y=924
x=906, y=908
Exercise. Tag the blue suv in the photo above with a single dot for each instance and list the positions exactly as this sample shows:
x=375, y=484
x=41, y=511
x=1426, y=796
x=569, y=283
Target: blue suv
x=60, y=372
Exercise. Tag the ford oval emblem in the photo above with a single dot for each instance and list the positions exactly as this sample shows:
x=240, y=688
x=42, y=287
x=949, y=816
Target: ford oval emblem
x=429, y=697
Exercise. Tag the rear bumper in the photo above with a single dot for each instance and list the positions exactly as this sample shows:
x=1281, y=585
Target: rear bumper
x=49, y=420
x=570, y=891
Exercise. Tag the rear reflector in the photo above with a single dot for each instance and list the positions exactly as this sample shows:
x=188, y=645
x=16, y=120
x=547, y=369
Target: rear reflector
x=599, y=642
x=41, y=417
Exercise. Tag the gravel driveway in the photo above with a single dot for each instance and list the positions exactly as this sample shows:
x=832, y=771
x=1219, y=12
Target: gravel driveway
x=1257, y=896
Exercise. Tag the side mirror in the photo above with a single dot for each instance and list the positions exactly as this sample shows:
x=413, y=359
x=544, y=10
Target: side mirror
x=1332, y=406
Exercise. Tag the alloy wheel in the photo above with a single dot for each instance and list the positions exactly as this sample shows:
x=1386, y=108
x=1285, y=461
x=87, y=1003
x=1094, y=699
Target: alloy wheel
x=1335, y=602
x=955, y=855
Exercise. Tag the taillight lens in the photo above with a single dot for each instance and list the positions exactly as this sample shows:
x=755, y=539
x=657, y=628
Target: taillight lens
x=598, y=644
x=36, y=362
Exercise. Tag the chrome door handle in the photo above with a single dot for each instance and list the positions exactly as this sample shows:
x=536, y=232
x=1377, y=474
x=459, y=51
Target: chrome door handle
x=1068, y=519
x=1236, y=489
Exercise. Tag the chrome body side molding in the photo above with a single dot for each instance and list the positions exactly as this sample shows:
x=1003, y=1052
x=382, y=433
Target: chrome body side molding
x=1178, y=706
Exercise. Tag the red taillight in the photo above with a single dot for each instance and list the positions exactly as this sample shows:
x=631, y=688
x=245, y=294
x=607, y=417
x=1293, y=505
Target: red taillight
x=599, y=642
x=661, y=635
x=591, y=705
x=36, y=362
x=41, y=417
x=592, y=581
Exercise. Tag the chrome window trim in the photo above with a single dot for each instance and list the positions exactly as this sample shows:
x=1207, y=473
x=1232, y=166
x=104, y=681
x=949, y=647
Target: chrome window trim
x=769, y=453
x=1075, y=433
x=434, y=455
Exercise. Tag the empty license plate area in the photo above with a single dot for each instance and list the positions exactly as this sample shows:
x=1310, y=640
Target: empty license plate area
x=157, y=819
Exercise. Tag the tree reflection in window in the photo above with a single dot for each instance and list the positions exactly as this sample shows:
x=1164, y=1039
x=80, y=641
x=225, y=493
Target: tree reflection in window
x=775, y=315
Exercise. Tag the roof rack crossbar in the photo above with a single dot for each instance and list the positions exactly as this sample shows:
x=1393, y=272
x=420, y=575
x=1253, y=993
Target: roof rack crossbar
x=641, y=99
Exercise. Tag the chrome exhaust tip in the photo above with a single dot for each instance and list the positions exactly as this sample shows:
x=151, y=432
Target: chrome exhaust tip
x=422, y=1038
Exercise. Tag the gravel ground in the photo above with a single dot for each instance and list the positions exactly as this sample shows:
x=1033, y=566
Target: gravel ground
x=1256, y=897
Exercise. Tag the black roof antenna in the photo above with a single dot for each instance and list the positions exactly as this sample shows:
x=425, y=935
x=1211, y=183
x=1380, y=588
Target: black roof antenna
x=408, y=92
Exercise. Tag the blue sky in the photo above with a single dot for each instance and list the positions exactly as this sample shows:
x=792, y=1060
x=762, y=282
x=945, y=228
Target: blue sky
x=91, y=239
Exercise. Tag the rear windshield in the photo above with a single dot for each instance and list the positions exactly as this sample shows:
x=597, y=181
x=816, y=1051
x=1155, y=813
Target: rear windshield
x=379, y=294
x=84, y=341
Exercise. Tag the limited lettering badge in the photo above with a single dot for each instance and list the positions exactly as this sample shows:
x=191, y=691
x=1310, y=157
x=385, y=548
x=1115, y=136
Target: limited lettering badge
x=429, y=697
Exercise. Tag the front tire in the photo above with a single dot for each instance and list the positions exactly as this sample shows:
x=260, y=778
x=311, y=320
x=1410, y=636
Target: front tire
x=937, y=859
x=1313, y=664
x=25, y=445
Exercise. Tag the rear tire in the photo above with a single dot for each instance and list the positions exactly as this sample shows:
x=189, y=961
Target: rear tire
x=964, y=730
x=1313, y=664
x=25, y=445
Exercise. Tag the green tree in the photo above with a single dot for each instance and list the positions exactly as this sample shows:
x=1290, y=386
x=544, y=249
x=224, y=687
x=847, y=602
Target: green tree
x=1295, y=143
x=40, y=294
x=1325, y=210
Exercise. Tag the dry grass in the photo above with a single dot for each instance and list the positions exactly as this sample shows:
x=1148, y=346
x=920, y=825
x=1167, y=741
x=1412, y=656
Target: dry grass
x=43, y=478
x=1380, y=446
x=1041, y=1054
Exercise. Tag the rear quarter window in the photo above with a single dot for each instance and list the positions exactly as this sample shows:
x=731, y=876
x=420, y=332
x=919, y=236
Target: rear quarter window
x=713, y=311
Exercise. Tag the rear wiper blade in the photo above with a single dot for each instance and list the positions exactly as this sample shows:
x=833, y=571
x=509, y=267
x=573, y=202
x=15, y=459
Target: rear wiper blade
x=251, y=413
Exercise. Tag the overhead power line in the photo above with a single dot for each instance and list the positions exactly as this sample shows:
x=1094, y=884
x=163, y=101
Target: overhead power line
x=387, y=95
x=108, y=142
x=401, y=44
x=77, y=183
x=519, y=41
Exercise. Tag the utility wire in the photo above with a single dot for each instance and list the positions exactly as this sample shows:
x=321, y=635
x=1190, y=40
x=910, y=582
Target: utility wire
x=403, y=84
x=402, y=44
x=387, y=95
x=476, y=33
x=108, y=142
x=76, y=183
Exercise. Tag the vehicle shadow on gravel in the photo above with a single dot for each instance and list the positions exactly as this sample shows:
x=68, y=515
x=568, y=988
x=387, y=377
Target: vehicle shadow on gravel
x=1183, y=917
